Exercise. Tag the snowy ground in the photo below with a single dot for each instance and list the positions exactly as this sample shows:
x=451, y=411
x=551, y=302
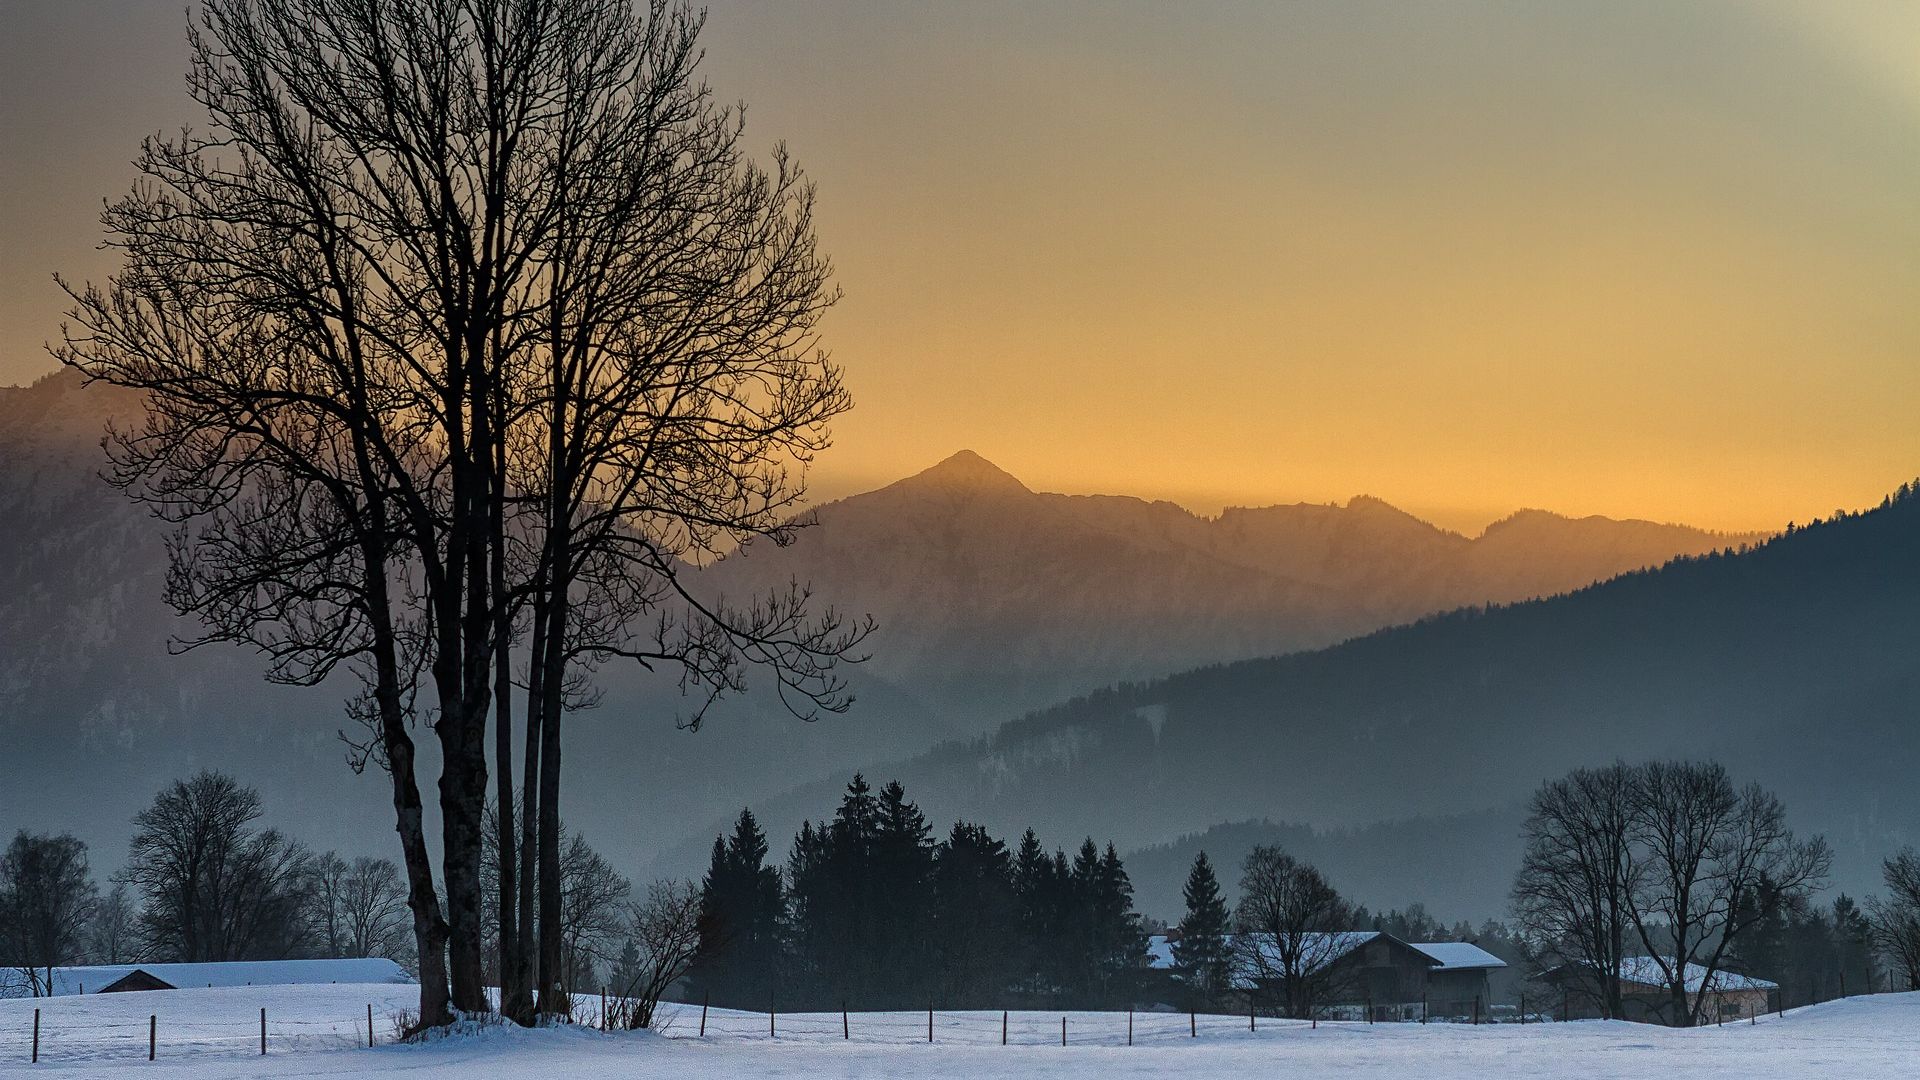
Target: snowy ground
x=321, y=1031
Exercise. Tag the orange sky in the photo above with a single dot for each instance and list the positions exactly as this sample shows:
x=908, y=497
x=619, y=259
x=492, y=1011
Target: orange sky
x=1636, y=258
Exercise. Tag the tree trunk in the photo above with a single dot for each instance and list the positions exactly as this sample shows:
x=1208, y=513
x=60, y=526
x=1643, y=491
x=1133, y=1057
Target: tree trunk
x=429, y=929
x=553, y=993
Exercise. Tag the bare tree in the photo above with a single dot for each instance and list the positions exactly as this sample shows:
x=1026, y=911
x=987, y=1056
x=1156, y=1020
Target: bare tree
x=1705, y=847
x=593, y=909
x=1574, y=892
x=213, y=886
x=662, y=939
x=361, y=907
x=114, y=937
x=47, y=898
x=1291, y=925
x=1896, y=916
x=463, y=321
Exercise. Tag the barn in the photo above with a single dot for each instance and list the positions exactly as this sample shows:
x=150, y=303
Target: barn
x=1459, y=984
x=1645, y=997
x=1373, y=973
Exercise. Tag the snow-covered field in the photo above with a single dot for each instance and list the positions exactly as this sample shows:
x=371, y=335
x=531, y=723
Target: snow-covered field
x=321, y=1031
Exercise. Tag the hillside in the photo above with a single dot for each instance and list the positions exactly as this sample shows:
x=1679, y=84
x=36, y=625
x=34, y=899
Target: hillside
x=1796, y=663
x=994, y=599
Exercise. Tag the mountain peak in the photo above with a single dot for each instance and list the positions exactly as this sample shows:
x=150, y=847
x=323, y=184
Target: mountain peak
x=968, y=471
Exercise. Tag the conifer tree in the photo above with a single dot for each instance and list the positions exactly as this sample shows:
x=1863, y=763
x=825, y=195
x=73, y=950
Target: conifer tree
x=1202, y=946
x=976, y=918
x=742, y=911
x=902, y=878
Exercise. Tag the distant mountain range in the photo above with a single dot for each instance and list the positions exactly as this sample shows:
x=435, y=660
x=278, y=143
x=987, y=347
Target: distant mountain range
x=993, y=600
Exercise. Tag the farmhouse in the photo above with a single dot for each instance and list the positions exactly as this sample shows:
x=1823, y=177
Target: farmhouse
x=1644, y=995
x=1366, y=972
x=120, y=978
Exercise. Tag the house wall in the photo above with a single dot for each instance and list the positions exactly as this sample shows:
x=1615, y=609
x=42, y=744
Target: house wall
x=1452, y=993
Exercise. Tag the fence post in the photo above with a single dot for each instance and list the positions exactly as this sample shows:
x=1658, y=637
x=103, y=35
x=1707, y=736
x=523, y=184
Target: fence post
x=1523, y=1006
x=36, y=1037
x=846, y=1031
x=604, y=1026
x=1423, y=1006
x=705, y=1000
x=1369, y=1006
x=1476, y=1010
x=1566, y=1004
x=1843, y=982
x=1003, y=1027
x=1249, y=1012
x=770, y=1033
x=1193, y=1024
x=929, y=1021
x=369, y=1025
x=1129, y=1025
x=153, y=1030
x=263, y=1033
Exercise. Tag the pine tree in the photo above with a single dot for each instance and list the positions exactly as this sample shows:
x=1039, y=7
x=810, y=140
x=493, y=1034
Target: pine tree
x=900, y=964
x=1120, y=944
x=742, y=912
x=976, y=919
x=1036, y=897
x=1202, y=946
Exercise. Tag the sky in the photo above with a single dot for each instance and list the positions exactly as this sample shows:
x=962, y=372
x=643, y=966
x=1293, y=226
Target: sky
x=1632, y=258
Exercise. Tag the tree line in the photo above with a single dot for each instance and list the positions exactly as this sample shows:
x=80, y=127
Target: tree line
x=204, y=882
x=872, y=911
x=466, y=332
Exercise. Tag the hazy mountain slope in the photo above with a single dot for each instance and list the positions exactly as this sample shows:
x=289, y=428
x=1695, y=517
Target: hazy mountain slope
x=993, y=599
x=1796, y=663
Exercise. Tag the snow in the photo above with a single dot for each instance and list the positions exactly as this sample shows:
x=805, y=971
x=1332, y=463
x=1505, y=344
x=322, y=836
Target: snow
x=1458, y=955
x=1646, y=971
x=320, y=1031
x=89, y=979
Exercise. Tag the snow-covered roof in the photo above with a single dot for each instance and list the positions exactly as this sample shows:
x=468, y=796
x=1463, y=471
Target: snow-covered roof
x=1458, y=955
x=91, y=979
x=1646, y=971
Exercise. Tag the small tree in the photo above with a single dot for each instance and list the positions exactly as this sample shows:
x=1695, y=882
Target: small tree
x=1202, y=948
x=1896, y=916
x=114, y=937
x=663, y=936
x=361, y=908
x=1292, y=928
x=47, y=900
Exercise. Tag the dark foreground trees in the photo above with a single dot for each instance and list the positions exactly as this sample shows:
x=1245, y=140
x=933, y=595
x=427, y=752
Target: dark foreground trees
x=873, y=913
x=466, y=328
x=1668, y=860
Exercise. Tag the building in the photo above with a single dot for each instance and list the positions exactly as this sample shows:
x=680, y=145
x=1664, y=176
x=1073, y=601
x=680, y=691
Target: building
x=1364, y=973
x=120, y=978
x=1459, y=984
x=1645, y=998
